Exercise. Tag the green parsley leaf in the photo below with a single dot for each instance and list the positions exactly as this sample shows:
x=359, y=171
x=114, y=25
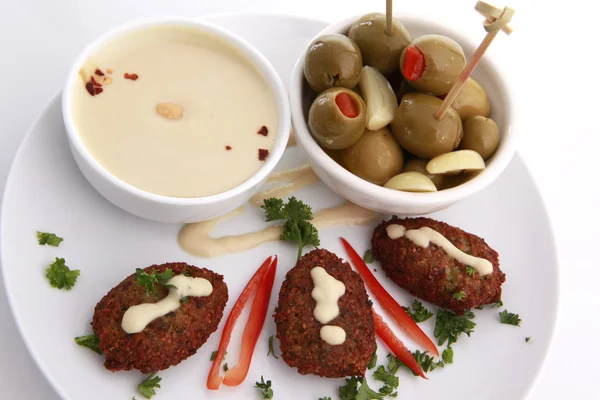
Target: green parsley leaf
x=48, y=238
x=387, y=390
x=394, y=364
x=296, y=227
x=325, y=398
x=366, y=393
x=61, y=276
x=479, y=308
x=368, y=257
x=213, y=355
x=265, y=387
x=373, y=361
x=273, y=209
x=448, y=355
x=150, y=279
x=225, y=367
x=349, y=391
x=459, y=296
x=498, y=304
x=449, y=326
x=470, y=270
x=92, y=342
x=418, y=313
x=271, y=349
x=426, y=361
x=382, y=375
x=147, y=386
x=527, y=339
x=509, y=318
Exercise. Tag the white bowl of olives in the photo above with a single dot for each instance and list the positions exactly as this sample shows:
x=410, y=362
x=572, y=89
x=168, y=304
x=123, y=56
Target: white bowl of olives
x=363, y=104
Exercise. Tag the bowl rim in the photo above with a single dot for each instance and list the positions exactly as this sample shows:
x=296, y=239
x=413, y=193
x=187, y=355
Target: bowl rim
x=501, y=159
x=255, y=57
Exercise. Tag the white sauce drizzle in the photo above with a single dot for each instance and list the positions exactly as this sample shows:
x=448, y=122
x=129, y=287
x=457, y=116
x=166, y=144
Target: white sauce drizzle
x=136, y=318
x=425, y=235
x=326, y=292
x=333, y=335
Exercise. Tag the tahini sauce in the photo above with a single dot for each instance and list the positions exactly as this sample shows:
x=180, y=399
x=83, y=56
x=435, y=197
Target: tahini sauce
x=136, y=318
x=425, y=235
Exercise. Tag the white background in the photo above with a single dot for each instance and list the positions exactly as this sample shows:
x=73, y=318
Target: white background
x=551, y=59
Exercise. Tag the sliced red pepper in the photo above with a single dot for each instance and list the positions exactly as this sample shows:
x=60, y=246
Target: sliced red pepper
x=387, y=302
x=414, y=63
x=396, y=346
x=346, y=105
x=214, y=379
x=256, y=320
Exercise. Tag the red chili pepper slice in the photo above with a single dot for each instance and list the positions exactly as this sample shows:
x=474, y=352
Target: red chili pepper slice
x=346, y=105
x=214, y=379
x=414, y=63
x=396, y=346
x=387, y=302
x=256, y=320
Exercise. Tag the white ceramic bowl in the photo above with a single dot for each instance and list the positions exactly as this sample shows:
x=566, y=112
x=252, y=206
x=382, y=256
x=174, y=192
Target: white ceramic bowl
x=163, y=208
x=389, y=201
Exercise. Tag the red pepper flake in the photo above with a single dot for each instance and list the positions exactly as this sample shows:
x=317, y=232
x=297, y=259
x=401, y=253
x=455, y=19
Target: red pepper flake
x=227, y=147
x=99, y=73
x=133, y=77
x=95, y=83
x=90, y=88
x=263, y=131
x=263, y=154
x=98, y=90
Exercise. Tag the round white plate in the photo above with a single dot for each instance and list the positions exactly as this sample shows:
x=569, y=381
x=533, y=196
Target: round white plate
x=46, y=192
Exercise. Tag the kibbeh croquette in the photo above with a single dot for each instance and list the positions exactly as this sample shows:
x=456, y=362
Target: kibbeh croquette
x=167, y=340
x=430, y=274
x=299, y=332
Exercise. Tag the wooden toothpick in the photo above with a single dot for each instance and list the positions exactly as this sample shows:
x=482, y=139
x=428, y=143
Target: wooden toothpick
x=388, y=17
x=496, y=20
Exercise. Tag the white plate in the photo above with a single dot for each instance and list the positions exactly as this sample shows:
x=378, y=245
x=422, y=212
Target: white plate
x=46, y=192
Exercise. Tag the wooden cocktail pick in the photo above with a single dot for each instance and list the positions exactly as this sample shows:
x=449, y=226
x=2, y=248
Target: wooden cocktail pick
x=388, y=17
x=496, y=20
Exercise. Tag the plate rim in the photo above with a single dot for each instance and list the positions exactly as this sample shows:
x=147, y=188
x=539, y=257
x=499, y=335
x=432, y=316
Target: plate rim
x=215, y=17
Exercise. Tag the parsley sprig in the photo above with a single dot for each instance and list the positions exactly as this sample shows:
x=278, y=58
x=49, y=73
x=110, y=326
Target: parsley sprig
x=271, y=347
x=92, y=342
x=147, y=386
x=449, y=326
x=373, y=361
x=265, y=387
x=351, y=390
x=61, y=276
x=48, y=238
x=509, y=318
x=297, y=227
x=150, y=279
x=418, y=313
x=368, y=257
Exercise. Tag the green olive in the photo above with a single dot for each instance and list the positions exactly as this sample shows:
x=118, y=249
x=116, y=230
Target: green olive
x=418, y=165
x=481, y=135
x=332, y=60
x=444, y=60
x=472, y=100
x=419, y=132
x=376, y=157
x=328, y=124
x=378, y=48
